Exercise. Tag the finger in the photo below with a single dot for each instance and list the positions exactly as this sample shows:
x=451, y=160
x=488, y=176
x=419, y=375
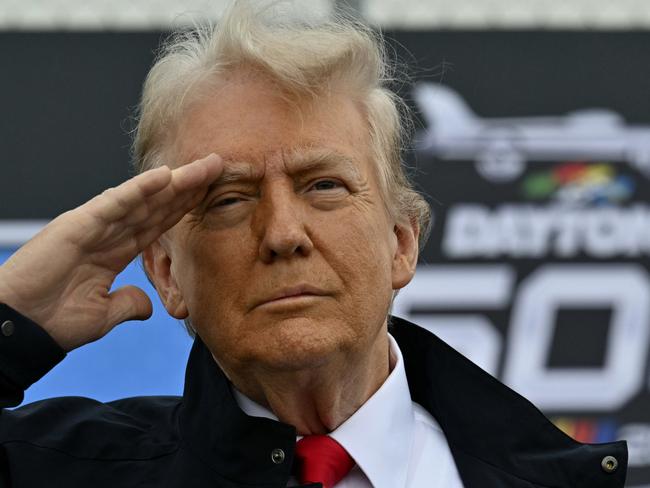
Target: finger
x=162, y=225
x=140, y=191
x=199, y=173
x=139, y=205
x=151, y=181
x=115, y=203
x=128, y=303
x=187, y=187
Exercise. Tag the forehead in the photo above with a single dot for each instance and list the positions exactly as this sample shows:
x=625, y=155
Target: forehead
x=300, y=163
x=248, y=118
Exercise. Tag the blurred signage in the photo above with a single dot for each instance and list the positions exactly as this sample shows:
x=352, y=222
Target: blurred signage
x=537, y=268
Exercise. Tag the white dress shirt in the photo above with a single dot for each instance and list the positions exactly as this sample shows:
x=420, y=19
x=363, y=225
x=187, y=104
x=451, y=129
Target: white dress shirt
x=395, y=442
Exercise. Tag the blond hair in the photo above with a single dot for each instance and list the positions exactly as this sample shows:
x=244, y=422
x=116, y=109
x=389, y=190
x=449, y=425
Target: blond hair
x=303, y=57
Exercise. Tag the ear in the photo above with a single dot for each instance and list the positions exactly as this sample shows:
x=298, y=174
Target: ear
x=158, y=266
x=405, y=258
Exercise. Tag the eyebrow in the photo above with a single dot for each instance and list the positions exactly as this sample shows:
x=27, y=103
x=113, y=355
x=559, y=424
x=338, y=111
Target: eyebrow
x=301, y=161
x=237, y=171
x=298, y=162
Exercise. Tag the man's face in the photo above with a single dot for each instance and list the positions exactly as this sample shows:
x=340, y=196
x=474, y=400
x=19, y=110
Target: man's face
x=292, y=255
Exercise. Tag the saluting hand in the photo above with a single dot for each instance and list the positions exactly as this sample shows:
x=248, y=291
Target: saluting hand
x=61, y=278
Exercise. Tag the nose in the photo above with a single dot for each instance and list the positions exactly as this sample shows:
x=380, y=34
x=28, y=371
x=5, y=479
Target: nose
x=283, y=227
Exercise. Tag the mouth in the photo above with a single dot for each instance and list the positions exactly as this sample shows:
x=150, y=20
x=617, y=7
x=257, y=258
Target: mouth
x=292, y=295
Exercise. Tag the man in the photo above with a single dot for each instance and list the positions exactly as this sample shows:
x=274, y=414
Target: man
x=273, y=215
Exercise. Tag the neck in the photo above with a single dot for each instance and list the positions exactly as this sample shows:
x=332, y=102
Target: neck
x=317, y=400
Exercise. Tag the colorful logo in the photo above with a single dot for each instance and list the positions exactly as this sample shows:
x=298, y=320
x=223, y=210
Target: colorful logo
x=579, y=183
x=587, y=430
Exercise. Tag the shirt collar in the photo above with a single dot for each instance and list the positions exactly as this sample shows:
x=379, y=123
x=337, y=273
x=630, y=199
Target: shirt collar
x=379, y=434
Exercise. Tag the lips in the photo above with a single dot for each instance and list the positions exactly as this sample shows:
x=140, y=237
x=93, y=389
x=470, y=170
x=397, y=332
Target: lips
x=291, y=292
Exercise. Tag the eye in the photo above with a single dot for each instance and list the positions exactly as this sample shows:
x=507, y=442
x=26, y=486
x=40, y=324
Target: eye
x=324, y=185
x=227, y=202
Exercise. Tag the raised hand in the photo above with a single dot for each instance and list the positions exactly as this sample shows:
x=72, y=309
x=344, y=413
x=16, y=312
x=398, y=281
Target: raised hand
x=61, y=278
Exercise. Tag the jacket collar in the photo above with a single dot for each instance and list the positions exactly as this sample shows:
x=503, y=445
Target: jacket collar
x=235, y=446
x=492, y=431
x=490, y=428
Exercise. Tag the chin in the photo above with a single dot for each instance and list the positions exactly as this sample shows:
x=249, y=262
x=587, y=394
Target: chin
x=299, y=343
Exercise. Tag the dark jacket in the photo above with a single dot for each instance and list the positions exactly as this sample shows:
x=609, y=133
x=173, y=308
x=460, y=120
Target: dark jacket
x=202, y=439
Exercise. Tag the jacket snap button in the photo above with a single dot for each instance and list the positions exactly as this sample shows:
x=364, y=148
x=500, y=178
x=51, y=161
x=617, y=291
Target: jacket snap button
x=609, y=464
x=277, y=456
x=7, y=328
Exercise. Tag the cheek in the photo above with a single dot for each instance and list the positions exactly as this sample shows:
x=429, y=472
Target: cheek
x=215, y=268
x=369, y=234
x=360, y=251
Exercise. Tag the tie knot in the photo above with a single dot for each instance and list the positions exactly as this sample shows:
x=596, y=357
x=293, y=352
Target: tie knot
x=320, y=459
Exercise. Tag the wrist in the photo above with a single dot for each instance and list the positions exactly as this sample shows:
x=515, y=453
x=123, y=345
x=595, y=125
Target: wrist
x=6, y=295
x=5, y=291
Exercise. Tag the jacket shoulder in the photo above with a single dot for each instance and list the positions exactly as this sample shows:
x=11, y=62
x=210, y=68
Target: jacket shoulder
x=494, y=433
x=130, y=428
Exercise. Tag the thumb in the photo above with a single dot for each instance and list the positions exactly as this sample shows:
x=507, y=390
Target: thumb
x=128, y=303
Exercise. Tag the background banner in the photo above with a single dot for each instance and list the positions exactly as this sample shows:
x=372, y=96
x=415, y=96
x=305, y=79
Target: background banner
x=535, y=151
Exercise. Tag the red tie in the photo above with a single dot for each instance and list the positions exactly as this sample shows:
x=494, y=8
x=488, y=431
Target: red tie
x=320, y=459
